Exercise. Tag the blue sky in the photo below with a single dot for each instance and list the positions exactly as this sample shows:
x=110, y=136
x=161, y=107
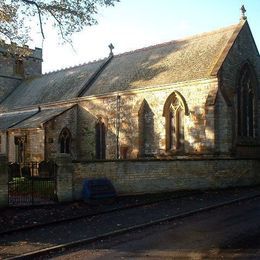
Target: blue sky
x=133, y=24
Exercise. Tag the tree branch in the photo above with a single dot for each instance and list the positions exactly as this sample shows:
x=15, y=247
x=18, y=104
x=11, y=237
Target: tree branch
x=39, y=13
x=68, y=16
x=59, y=24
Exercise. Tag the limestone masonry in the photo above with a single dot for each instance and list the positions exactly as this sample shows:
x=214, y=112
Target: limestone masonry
x=192, y=98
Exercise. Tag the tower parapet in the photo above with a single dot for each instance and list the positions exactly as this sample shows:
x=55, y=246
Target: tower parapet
x=19, y=61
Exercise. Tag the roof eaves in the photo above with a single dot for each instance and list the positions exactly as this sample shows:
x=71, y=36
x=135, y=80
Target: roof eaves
x=42, y=122
x=227, y=48
x=13, y=125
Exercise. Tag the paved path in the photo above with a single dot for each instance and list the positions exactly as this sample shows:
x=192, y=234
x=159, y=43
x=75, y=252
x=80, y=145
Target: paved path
x=231, y=232
x=23, y=242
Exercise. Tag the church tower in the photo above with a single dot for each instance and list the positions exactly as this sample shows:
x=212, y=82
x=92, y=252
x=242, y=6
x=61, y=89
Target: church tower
x=16, y=64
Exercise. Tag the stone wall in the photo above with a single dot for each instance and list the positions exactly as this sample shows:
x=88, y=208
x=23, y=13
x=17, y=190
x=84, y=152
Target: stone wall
x=3, y=181
x=32, y=59
x=2, y=142
x=198, y=127
x=9, y=79
x=34, y=145
x=150, y=176
x=7, y=65
x=223, y=126
x=243, y=51
x=64, y=177
x=53, y=129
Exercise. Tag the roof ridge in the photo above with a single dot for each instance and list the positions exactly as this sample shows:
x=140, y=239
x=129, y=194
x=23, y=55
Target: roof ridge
x=199, y=35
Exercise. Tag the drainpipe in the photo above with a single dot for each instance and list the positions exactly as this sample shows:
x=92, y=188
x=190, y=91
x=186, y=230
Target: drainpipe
x=117, y=126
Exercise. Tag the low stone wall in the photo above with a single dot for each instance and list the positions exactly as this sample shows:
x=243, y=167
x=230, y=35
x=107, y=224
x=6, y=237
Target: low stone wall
x=3, y=181
x=131, y=177
x=64, y=177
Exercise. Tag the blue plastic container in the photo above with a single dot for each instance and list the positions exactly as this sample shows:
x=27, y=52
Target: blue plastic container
x=98, y=189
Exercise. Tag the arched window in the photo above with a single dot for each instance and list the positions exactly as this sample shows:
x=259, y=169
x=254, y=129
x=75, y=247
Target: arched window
x=174, y=110
x=100, y=140
x=146, y=130
x=65, y=140
x=246, y=103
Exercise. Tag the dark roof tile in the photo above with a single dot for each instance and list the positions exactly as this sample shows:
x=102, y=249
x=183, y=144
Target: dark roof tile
x=56, y=86
x=40, y=118
x=176, y=61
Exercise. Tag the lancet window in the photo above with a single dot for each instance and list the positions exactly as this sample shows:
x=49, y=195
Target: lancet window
x=65, y=140
x=246, y=104
x=100, y=140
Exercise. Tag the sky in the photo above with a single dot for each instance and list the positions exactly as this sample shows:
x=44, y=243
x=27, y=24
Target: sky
x=134, y=24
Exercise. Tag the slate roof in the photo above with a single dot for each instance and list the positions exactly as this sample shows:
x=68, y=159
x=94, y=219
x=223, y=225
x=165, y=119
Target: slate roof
x=176, y=61
x=9, y=119
x=7, y=86
x=51, y=87
x=36, y=120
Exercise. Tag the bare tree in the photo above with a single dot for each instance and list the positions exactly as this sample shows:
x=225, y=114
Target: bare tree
x=67, y=16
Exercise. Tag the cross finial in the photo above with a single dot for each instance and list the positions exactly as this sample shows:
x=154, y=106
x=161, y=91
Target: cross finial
x=111, y=47
x=243, y=11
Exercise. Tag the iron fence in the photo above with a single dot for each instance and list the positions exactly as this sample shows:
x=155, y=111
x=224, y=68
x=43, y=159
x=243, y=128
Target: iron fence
x=32, y=183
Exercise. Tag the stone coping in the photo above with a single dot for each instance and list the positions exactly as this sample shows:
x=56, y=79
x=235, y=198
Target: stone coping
x=178, y=158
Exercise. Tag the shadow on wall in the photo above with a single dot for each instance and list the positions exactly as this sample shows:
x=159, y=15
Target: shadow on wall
x=87, y=122
x=148, y=139
x=61, y=134
x=199, y=138
x=136, y=133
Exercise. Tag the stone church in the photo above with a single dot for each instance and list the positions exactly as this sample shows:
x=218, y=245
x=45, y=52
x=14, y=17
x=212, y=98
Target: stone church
x=193, y=97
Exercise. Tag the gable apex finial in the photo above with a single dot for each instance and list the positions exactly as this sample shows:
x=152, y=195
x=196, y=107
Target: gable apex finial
x=111, y=47
x=243, y=12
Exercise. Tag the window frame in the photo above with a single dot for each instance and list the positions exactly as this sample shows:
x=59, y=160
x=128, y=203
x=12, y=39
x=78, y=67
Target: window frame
x=65, y=140
x=246, y=106
x=175, y=108
x=100, y=140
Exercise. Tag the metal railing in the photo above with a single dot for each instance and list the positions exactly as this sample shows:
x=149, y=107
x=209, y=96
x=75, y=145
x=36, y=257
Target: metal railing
x=32, y=183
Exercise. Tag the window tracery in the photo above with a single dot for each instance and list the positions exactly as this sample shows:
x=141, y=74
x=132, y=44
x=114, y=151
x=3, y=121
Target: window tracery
x=174, y=111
